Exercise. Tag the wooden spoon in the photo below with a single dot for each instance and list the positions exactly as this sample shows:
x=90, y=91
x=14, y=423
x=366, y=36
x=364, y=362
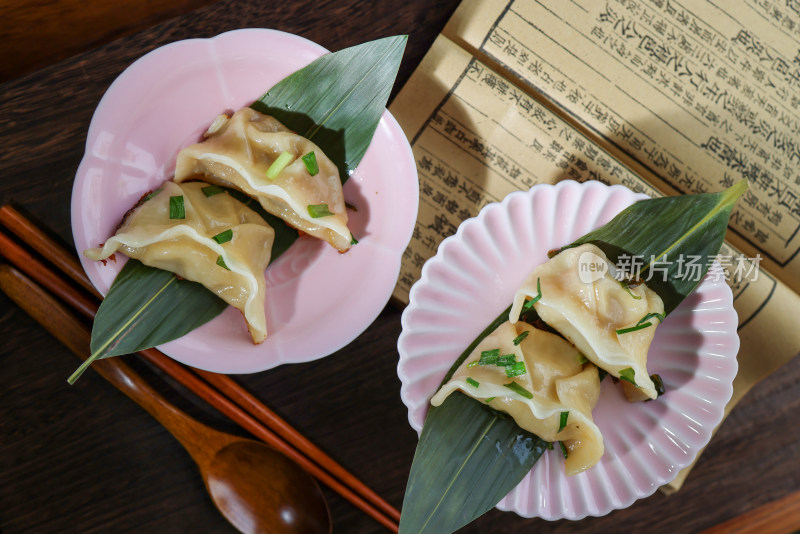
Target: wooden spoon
x=254, y=486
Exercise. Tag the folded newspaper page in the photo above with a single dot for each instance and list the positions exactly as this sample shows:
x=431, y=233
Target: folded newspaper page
x=651, y=95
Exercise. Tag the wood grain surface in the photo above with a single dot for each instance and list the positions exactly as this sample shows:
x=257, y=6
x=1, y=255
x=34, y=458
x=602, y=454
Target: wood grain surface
x=86, y=459
x=38, y=33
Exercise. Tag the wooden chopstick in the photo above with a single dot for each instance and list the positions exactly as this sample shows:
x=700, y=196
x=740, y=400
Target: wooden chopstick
x=12, y=280
x=28, y=263
x=39, y=241
x=348, y=487
x=69, y=265
x=31, y=266
x=231, y=410
x=246, y=401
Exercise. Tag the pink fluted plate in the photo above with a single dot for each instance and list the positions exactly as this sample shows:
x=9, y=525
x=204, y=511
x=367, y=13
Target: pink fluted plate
x=473, y=277
x=317, y=299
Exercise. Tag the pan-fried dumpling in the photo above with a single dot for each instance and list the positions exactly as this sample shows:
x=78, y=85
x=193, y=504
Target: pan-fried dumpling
x=546, y=381
x=596, y=312
x=238, y=153
x=204, y=235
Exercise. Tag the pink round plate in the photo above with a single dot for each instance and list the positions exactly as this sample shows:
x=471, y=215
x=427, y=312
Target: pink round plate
x=317, y=299
x=473, y=277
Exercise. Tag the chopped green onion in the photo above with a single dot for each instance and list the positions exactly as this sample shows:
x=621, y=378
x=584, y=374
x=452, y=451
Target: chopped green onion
x=223, y=237
x=658, y=316
x=519, y=390
x=625, y=286
x=627, y=374
x=279, y=164
x=634, y=328
x=152, y=194
x=582, y=359
x=472, y=364
x=553, y=252
x=549, y=445
x=506, y=359
x=212, y=190
x=473, y=382
x=318, y=210
x=310, y=161
x=515, y=369
x=176, y=208
x=353, y=240
x=563, y=449
x=529, y=304
x=519, y=338
x=490, y=399
x=642, y=324
x=221, y=262
x=563, y=422
x=489, y=357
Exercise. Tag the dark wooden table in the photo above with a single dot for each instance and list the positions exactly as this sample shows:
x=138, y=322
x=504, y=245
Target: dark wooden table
x=86, y=459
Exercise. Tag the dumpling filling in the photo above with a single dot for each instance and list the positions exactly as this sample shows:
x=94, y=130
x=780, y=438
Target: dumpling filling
x=611, y=322
x=203, y=236
x=259, y=156
x=541, y=382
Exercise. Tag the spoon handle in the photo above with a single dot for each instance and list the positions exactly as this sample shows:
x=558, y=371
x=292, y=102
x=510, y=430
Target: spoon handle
x=63, y=325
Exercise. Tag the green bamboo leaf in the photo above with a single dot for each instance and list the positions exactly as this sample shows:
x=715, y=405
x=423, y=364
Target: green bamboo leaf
x=337, y=101
x=461, y=468
x=462, y=471
x=465, y=443
x=144, y=301
x=667, y=233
